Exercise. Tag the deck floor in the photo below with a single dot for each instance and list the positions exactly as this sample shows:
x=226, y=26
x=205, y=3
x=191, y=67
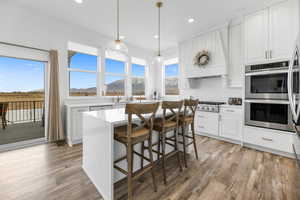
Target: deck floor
x=21, y=132
x=224, y=171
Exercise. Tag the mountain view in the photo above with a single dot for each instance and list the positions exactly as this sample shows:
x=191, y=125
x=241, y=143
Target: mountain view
x=117, y=88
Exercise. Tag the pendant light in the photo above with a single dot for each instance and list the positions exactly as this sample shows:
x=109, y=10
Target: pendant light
x=118, y=44
x=159, y=58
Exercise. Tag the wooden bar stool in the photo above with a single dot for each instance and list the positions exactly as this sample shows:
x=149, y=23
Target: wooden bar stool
x=168, y=122
x=185, y=119
x=132, y=134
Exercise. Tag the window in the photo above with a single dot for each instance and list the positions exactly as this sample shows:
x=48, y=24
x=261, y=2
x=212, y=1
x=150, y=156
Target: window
x=83, y=68
x=138, y=69
x=171, y=73
x=115, y=74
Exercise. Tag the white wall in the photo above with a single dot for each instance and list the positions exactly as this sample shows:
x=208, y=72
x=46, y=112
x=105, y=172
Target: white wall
x=28, y=27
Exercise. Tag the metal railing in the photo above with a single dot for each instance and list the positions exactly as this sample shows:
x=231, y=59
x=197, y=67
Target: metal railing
x=25, y=111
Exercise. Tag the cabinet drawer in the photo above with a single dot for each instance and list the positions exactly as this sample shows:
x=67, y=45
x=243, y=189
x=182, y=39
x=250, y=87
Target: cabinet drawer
x=231, y=111
x=269, y=138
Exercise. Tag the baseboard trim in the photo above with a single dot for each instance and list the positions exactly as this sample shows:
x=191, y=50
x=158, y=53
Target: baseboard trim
x=73, y=142
x=23, y=144
x=221, y=138
x=265, y=149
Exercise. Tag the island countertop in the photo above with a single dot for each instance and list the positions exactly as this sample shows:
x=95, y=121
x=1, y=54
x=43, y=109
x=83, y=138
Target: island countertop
x=115, y=116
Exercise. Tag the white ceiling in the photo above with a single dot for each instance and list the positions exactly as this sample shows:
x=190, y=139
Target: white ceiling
x=139, y=17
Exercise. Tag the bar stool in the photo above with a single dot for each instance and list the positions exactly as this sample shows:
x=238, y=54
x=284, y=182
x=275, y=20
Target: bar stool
x=168, y=122
x=132, y=134
x=185, y=119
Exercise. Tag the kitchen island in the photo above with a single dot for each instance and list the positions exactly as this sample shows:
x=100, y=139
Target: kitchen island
x=100, y=149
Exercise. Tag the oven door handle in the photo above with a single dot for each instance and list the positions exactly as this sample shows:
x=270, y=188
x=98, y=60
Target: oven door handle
x=267, y=101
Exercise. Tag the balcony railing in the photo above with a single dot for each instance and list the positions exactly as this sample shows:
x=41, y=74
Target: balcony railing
x=25, y=111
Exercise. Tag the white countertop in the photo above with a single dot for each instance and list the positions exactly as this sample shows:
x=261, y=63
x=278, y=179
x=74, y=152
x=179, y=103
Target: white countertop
x=115, y=116
x=232, y=106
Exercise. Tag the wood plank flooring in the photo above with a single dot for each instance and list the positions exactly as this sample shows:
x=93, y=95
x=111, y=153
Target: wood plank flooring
x=224, y=171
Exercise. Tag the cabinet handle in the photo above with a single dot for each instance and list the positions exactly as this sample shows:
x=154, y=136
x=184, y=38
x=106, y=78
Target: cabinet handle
x=267, y=139
x=266, y=54
x=200, y=116
x=229, y=110
x=270, y=54
x=201, y=127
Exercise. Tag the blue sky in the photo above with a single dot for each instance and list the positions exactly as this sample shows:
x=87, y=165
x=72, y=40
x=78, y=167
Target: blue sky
x=89, y=62
x=20, y=75
x=171, y=70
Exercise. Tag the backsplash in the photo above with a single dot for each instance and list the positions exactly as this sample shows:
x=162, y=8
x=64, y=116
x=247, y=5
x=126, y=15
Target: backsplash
x=212, y=89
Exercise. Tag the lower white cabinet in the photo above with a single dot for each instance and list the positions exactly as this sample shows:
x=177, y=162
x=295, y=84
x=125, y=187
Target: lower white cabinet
x=74, y=125
x=231, y=123
x=207, y=122
x=226, y=124
x=74, y=120
x=268, y=138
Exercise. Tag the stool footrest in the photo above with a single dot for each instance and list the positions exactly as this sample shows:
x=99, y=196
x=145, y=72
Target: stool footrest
x=120, y=159
x=141, y=172
x=141, y=156
x=121, y=170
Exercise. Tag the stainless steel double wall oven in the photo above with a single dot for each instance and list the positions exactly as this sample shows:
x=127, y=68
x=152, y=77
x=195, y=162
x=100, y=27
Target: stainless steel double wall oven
x=267, y=103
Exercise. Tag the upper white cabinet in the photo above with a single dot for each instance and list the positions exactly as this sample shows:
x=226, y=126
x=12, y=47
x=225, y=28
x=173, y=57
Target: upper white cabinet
x=271, y=33
x=256, y=36
x=282, y=33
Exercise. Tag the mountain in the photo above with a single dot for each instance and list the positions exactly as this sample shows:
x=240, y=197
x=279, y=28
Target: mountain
x=138, y=87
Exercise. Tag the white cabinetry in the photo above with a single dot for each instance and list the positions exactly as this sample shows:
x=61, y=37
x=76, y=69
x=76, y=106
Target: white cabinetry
x=271, y=33
x=281, y=33
x=74, y=120
x=231, y=123
x=268, y=138
x=74, y=125
x=256, y=36
x=207, y=123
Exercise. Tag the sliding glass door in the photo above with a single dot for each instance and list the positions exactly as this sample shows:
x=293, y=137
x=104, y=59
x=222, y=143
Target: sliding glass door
x=22, y=100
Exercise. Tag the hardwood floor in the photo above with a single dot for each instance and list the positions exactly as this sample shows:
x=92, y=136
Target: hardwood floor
x=224, y=171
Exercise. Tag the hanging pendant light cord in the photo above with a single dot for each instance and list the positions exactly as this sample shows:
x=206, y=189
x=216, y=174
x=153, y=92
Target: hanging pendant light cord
x=118, y=19
x=159, y=30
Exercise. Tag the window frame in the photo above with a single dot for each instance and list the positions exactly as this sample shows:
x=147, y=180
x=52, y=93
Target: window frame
x=97, y=72
x=145, y=77
x=125, y=75
x=102, y=54
x=167, y=62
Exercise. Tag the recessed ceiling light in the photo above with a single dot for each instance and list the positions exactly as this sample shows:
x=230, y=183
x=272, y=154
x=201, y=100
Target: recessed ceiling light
x=191, y=20
x=122, y=37
x=155, y=36
x=78, y=1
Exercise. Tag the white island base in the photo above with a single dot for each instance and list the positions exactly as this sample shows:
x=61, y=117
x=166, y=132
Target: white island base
x=100, y=150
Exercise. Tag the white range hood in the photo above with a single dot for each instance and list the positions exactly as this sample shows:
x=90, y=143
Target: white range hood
x=216, y=43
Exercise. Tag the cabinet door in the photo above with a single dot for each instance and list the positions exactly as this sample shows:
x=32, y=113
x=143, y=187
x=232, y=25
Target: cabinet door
x=76, y=120
x=281, y=31
x=231, y=126
x=207, y=123
x=256, y=37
